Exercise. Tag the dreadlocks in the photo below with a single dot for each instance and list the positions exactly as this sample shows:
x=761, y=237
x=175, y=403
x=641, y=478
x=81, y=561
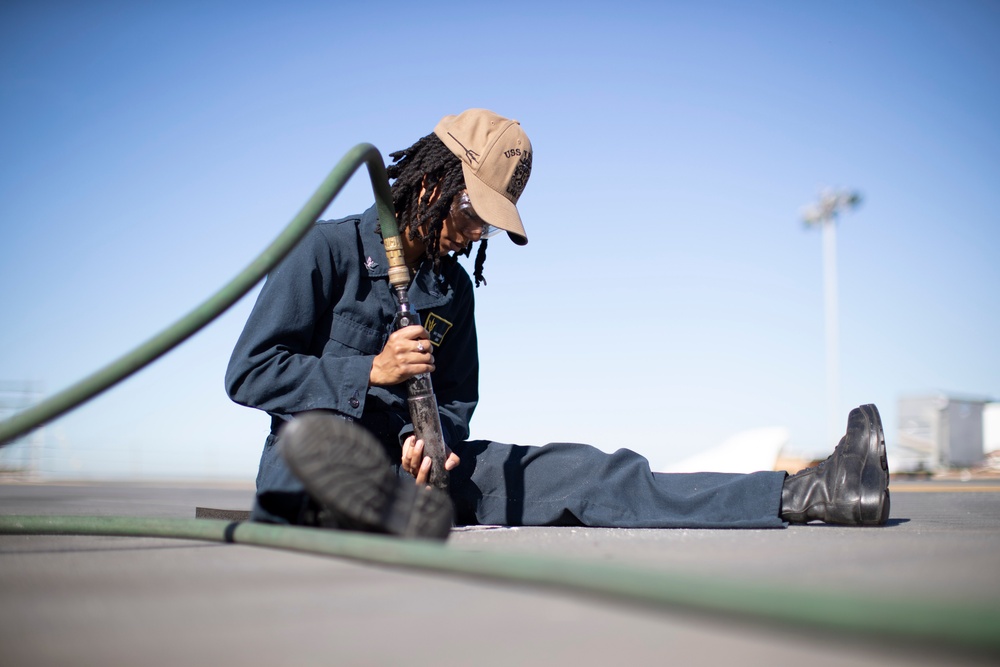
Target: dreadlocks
x=424, y=167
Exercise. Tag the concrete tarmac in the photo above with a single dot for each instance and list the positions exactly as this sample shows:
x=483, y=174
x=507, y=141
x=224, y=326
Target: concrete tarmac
x=108, y=601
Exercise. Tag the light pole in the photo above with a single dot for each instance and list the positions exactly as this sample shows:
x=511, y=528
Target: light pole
x=823, y=214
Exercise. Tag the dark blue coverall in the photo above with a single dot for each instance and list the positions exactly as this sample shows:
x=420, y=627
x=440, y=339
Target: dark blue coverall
x=327, y=310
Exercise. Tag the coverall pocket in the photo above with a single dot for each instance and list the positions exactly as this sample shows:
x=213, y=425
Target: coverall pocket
x=355, y=336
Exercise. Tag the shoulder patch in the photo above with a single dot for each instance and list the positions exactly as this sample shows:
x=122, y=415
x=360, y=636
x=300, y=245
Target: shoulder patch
x=437, y=327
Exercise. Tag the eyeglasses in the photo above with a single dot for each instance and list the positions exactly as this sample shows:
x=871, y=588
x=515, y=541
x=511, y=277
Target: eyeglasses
x=468, y=221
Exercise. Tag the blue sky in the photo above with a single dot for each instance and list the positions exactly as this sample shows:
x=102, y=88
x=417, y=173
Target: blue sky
x=669, y=297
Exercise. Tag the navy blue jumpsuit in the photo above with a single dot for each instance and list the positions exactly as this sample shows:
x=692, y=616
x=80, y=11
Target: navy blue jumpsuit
x=326, y=311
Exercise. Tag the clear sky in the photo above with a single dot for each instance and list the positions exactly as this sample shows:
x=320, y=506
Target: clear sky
x=670, y=296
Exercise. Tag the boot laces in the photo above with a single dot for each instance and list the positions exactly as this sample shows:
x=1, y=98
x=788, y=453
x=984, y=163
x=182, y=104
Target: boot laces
x=822, y=464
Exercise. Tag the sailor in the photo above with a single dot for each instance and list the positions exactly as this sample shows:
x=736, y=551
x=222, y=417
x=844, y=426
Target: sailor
x=320, y=356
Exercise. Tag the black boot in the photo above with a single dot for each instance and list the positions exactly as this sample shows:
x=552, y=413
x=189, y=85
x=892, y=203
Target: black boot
x=852, y=486
x=349, y=477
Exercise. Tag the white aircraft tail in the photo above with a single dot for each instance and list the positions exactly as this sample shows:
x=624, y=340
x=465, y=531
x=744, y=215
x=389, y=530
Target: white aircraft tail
x=748, y=451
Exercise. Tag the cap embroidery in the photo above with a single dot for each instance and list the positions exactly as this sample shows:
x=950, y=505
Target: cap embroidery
x=371, y=264
x=519, y=178
x=469, y=153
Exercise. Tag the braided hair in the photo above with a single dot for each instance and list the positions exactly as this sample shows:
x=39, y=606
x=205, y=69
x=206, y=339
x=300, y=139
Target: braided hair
x=423, y=167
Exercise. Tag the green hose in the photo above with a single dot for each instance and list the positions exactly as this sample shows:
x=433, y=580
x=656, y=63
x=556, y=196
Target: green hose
x=174, y=335
x=958, y=625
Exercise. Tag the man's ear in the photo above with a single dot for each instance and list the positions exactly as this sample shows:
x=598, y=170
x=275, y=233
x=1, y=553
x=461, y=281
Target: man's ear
x=435, y=193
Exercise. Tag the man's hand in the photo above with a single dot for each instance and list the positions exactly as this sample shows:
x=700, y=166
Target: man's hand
x=407, y=353
x=418, y=465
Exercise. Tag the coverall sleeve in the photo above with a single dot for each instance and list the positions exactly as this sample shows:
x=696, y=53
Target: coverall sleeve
x=277, y=365
x=456, y=380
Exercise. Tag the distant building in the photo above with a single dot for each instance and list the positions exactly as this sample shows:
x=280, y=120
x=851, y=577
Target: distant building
x=938, y=431
x=991, y=428
x=20, y=459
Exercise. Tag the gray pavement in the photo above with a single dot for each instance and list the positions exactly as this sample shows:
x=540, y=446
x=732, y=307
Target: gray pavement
x=89, y=600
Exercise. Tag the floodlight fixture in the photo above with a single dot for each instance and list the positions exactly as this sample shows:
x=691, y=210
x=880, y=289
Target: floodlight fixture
x=831, y=203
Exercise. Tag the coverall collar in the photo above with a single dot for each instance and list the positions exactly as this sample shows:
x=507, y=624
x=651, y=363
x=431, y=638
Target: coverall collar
x=427, y=290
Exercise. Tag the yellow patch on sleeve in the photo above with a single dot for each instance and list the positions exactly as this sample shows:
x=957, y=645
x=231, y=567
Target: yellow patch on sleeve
x=437, y=327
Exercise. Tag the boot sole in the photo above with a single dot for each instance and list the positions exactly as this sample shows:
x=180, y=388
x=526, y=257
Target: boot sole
x=346, y=471
x=874, y=506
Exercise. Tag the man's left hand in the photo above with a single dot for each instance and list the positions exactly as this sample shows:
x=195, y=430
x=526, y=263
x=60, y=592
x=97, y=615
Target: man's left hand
x=418, y=465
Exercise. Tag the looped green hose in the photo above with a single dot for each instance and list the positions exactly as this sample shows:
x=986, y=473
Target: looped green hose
x=174, y=335
x=969, y=626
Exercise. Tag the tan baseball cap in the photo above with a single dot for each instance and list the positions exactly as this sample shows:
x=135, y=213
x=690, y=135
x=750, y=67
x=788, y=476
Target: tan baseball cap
x=496, y=160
